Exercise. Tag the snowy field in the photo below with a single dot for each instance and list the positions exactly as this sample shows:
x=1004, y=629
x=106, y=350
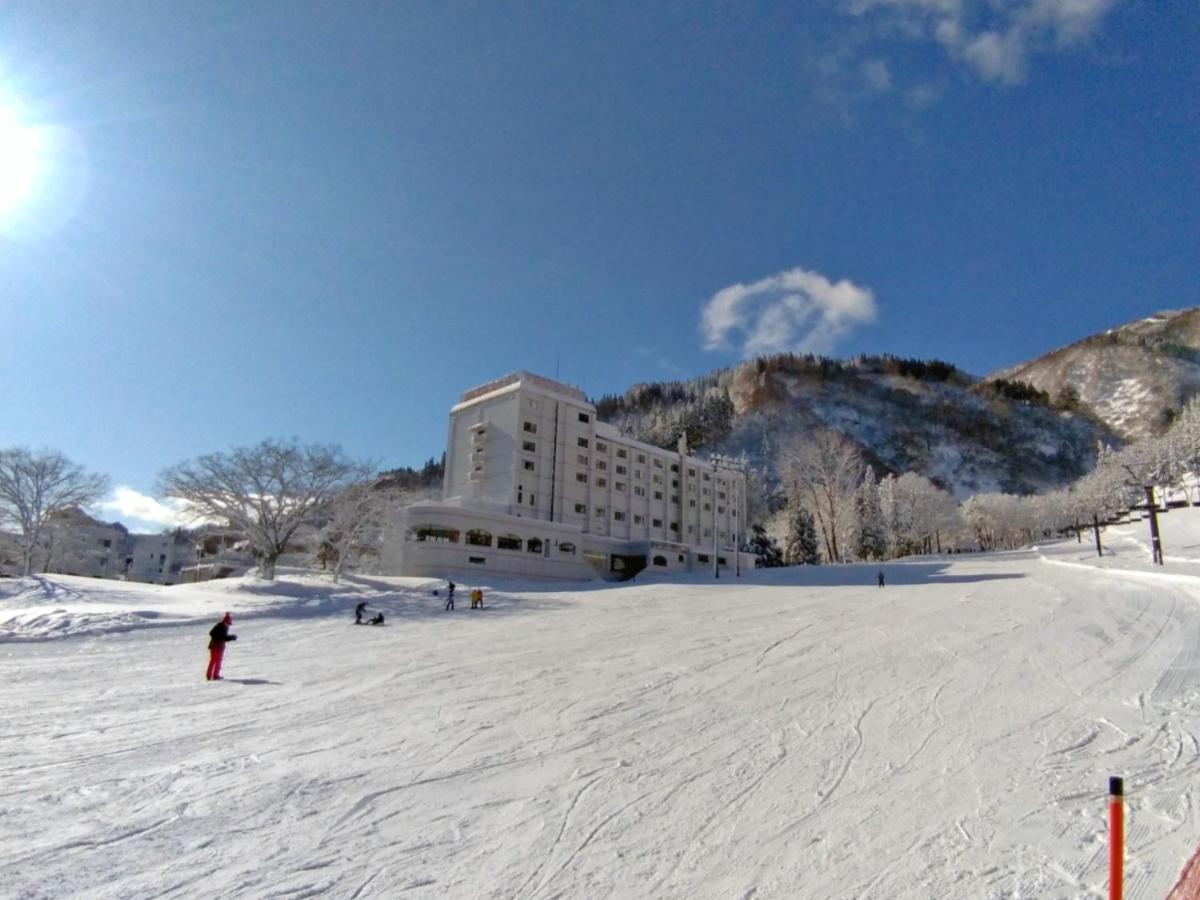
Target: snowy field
x=797, y=734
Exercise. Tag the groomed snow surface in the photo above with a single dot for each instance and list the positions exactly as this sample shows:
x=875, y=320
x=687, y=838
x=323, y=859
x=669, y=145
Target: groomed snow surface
x=798, y=733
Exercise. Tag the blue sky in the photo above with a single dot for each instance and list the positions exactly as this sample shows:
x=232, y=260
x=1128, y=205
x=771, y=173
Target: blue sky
x=328, y=219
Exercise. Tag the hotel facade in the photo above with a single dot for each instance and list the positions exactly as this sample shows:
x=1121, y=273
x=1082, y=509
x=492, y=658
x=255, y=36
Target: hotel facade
x=536, y=487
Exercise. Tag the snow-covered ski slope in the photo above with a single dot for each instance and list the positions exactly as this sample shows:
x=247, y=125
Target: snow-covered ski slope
x=798, y=734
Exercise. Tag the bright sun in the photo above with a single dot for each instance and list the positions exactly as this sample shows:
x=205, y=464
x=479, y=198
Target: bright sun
x=20, y=148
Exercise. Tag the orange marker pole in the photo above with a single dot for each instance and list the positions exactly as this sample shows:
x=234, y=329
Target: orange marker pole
x=1116, y=837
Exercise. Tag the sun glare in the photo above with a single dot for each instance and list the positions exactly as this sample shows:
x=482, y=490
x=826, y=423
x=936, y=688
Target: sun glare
x=20, y=148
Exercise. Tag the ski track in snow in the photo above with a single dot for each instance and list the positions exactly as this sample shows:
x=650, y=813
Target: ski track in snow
x=798, y=734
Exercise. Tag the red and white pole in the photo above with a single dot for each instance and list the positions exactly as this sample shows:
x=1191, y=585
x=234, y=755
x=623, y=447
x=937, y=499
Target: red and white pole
x=1116, y=837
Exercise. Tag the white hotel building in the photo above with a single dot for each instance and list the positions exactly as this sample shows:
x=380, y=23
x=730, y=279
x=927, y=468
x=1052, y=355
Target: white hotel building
x=536, y=487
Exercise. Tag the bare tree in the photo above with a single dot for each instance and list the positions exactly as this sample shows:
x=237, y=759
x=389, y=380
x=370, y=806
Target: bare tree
x=823, y=470
x=33, y=485
x=268, y=492
x=355, y=524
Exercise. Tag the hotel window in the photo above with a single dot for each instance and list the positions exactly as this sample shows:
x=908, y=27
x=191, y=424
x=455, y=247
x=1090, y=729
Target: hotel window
x=622, y=453
x=601, y=447
x=720, y=509
x=530, y=427
x=657, y=523
x=479, y=538
x=508, y=542
x=658, y=479
x=620, y=485
x=533, y=545
x=476, y=560
x=581, y=508
x=582, y=442
x=721, y=495
x=600, y=511
x=675, y=483
x=601, y=465
x=566, y=547
x=585, y=418
x=581, y=458
x=639, y=474
x=581, y=477
x=639, y=520
x=674, y=526
x=691, y=473
x=619, y=516
x=658, y=463
x=528, y=465
x=708, y=532
x=705, y=492
x=692, y=504
x=529, y=447
x=675, y=499
x=531, y=500
x=601, y=482
x=621, y=470
x=639, y=491
x=641, y=458
x=707, y=506
x=658, y=495
x=675, y=468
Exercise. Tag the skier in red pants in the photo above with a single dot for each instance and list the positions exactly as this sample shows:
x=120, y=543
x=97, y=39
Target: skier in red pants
x=219, y=637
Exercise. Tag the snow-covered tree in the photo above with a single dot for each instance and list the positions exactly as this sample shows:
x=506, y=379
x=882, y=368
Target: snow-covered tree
x=353, y=529
x=870, y=534
x=36, y=484
x=801, y=547
x=823, y=469
x=268, y=492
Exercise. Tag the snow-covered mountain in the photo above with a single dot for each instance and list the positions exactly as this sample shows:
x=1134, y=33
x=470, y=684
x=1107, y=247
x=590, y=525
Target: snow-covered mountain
x=929, y=417
x=1134, y=378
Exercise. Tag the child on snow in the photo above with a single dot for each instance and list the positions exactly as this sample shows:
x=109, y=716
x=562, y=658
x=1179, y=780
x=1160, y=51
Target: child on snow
x=219, y=636
x=477, y=598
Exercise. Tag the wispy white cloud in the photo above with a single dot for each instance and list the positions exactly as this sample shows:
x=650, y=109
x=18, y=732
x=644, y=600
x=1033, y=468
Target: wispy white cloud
x=995, y=38
x=796, y=310
x=127, y=503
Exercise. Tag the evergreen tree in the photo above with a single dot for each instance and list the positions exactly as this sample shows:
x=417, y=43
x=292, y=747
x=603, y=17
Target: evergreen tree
x=870, y=534
x=802, y=547
x=764, y=547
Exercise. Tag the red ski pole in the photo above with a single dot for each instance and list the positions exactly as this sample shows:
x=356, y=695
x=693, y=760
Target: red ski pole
x=1116, y=837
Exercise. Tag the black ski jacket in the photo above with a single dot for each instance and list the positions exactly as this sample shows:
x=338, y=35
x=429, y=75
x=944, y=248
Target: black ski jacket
x=220, y=635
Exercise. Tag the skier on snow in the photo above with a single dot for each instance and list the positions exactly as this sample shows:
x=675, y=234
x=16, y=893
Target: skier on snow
x=219, y=636
x=450, y=596
x=359, y=611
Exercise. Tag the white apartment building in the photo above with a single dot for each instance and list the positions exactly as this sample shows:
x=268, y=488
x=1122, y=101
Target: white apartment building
x=536, y=487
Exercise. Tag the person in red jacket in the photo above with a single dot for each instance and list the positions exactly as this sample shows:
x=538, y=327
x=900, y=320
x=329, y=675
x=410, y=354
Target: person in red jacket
x=218, y=638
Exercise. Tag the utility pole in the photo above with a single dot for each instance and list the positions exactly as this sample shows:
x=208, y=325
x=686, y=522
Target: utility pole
x=728, y=464
x=1155, y=542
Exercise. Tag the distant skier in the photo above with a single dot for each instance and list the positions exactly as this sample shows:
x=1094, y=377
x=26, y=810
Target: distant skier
x=881, y=577
x=477, y=598
x=450, y=595
x=359, y=611
x=378, y=620
x=219, y=636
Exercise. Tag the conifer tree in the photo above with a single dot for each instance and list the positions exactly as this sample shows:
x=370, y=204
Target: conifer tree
x=764, y=547
x=802, y=547
x=870, y=534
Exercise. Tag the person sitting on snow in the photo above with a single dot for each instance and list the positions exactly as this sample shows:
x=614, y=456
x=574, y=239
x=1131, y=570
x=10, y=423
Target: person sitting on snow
x=378, y=620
